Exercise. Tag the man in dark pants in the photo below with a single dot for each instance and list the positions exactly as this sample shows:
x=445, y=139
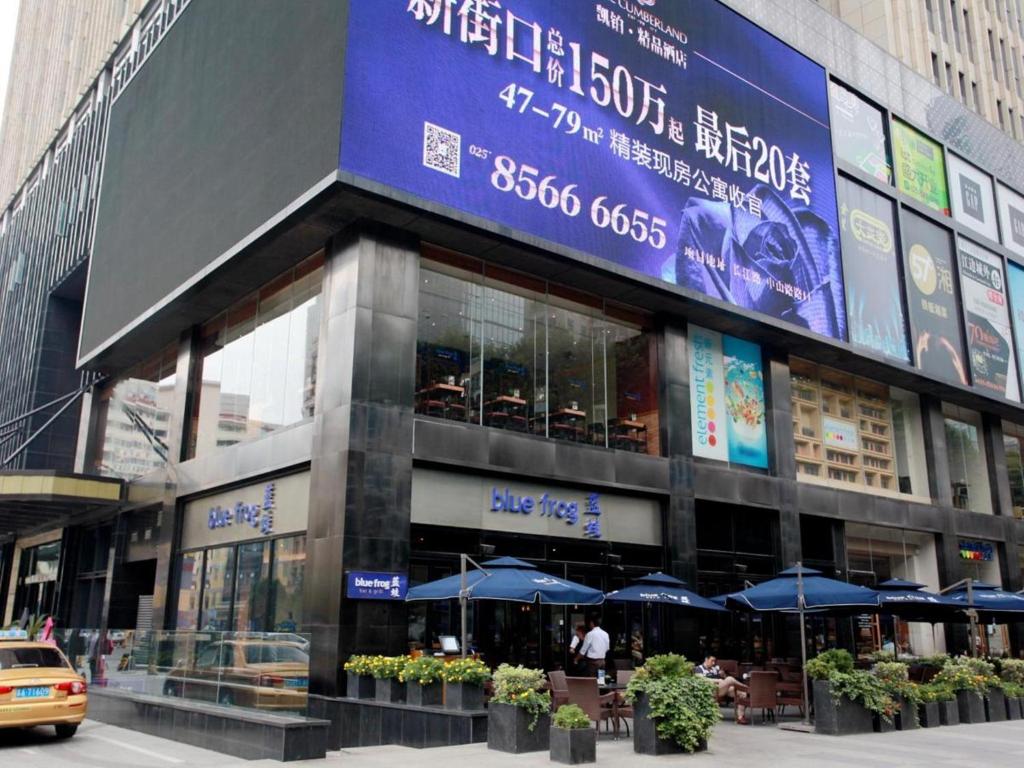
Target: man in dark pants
x=595, y=647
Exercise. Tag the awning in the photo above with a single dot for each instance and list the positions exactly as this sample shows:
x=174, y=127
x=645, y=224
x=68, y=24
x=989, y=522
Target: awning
x=30, y=500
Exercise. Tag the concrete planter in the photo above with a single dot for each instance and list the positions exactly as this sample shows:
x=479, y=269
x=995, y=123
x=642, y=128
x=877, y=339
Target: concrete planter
x=645, y=733
x=573, y=746
x=949, y=712
x=1013, y=708
x=906, y=715
x=360, y=686
x=389, y=690
x=971, y=707
x=840, y=718
x=463, y=697
x=423, y=695
x=995, y=706
x=883, y=725
x=928, y=714
x=508, y=729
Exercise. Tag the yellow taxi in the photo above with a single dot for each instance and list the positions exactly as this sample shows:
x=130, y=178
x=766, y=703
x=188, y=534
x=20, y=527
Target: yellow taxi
x=38, y=686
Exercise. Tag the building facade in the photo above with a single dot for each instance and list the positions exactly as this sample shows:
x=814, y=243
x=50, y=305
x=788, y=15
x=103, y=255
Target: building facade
x=580, y=317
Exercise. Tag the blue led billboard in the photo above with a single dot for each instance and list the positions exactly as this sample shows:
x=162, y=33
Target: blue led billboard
x=674, y=138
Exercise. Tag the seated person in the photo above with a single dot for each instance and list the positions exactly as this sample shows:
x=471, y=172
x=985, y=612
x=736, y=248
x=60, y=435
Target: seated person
x=727, y=686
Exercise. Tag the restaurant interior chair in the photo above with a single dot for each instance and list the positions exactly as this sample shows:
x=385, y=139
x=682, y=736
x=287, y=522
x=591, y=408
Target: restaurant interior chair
x=559, y=690
x=762, y=693
x=583, y=692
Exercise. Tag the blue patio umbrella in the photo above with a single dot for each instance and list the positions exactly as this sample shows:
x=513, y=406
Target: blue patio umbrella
x=662, y=589
x=909, y=601
x=800, y=589
x=991, y=602
x=506, y=578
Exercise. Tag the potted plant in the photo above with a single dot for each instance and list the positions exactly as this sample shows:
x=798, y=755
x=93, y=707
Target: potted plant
x=573, y=740
x=360, y=682
x=895, y=679
x=847, y=700
x=517, y=716
x=674, y=710
x=464, y=681
x=422, y=678
x=969, y=679
x=385, y=670
x=934, y=699
x=1011, y=672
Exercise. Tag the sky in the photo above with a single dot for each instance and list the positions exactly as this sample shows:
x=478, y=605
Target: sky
x=8, y=21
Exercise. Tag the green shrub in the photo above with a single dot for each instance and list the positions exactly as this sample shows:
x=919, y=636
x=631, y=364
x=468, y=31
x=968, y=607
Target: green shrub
x=521, y=687
x=467, y=671
x=387, y=667
x=571, y=717
x=1012, y=671
x=425, y=670
x=824, y=664
x=863, y=688
x=936, y=692
x=966, y=674
x=937, y=661
x=683, y=706
x=358, y=665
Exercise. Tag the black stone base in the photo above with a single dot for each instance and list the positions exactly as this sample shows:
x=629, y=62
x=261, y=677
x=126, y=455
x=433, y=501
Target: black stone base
x=928, y=714
x=360, y=686
x=906, y=716
x=247, y=734
x=995, y=706
x=423, y=695
x=883, y=725
x=645, y=733
x=949, y=712
x=358, y=723
x=971, y=707
x=389, y=690
x=840, y=718
x=463, y=698
x=573, y=746
x=1013, y=709
x=508, y=729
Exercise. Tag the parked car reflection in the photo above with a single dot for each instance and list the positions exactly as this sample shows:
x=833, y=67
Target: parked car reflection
x=263, y=674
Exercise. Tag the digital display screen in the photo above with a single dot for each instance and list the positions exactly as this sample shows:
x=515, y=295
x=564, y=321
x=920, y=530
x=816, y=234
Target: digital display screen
x=676, y=139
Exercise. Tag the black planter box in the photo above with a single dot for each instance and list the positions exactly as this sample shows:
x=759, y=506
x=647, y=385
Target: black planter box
x=949, y=712
x=928, y=714
x=508, y=729
x=906, y=715
x=573, y=746
x=971, y=707
x=995, y=706
x=360, y=686
x=1013, y=708
x=390, y=690
x=838, y=718
x=463, y=697
x=645, y=733
x=881, y=724
x=423, y=695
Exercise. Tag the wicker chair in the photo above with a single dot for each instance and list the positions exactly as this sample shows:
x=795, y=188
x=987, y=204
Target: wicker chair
x=583, y=691
x=559, y=690
x=729, y=667
x=762, y=693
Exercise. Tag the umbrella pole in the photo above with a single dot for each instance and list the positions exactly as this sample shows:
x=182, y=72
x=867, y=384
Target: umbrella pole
x=895, y=638
x=803, y=642
x=463, y=600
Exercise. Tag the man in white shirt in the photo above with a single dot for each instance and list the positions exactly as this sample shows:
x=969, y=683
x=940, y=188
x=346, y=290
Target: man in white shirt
x=595, y=647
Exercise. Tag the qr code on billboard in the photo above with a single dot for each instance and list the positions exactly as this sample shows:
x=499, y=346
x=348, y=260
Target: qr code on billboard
x=441, y=149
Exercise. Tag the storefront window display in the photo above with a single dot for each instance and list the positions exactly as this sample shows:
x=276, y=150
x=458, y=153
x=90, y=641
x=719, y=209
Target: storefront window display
x=968, y=463
x=855, y=432
x=875, y=554
x=504, y=350
x=257, y=370
x=36, y=591
x=1013, y=435
x=133, y=418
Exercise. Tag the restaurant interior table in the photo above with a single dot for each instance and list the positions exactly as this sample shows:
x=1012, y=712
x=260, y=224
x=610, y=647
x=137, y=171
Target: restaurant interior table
x=567, y=424
x=506, y=412
x=441, y=399
x=627, y=435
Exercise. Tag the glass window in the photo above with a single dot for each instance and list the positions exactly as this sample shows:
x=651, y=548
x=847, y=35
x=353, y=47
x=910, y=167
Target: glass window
x=554, y=362
x=1012, y=437
x=252, y=590
x=286, y=583
x=281, y=653
x=856, y=432
x=31, y=658
x=133, y=418
x=189, y=589
x=968, y=464
x=858, y=131
x=218, y=586
x=257, y=370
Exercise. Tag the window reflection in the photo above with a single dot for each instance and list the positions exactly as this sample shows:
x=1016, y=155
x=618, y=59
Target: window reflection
x=218, y=587
x=253, y=587
x=508, y=351
x=189, y=589
x=968, y=470
x=258, y=362
x=1012, y=435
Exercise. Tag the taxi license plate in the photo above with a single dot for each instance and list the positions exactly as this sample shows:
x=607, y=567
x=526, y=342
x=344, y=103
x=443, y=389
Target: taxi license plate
x=31, y=693
x=296, y=682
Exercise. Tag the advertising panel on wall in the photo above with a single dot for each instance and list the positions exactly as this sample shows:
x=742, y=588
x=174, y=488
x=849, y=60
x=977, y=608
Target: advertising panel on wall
x=920, y=169
x=1015, y=276
x=987, y=319
x=727, y=406
x=677, y=139
x=1011, y=218
x=871, y=274
x=858, y=132
x=936, y=336
x=974, y=203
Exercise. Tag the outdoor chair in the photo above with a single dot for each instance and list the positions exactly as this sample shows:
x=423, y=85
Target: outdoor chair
x=623, y=676
x=583, y=692
x=730, y=667
x=762, y=693
x=559, y=690
x=791, y=695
